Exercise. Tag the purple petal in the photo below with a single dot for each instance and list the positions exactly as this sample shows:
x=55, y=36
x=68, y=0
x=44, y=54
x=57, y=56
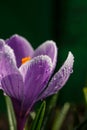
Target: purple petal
x=35, y=75
x=48, y=48
x=60, y=78
x=21, y=47
x=7, y=60
x=10, y=76
x=12, y=85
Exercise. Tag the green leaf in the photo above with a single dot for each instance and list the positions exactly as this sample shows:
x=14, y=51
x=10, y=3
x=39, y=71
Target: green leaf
x=60, y=117
x=11, y=115
x=39, y=117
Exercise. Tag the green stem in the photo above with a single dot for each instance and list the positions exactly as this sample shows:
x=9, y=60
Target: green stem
x=21, y=123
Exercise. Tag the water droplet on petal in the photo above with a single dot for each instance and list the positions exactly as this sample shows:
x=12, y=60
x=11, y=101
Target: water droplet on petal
x=54, y=78
x=71, y=70
x=55, y=88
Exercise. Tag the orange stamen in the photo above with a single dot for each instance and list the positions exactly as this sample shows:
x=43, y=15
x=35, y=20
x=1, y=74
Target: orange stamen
x=24, y=60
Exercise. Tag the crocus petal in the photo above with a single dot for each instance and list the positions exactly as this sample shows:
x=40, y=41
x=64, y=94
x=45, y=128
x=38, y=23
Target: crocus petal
x=7, y=60
x=21, y=47
x=60, y=78
x=12, y=85
x=9, y=73
x=35, y=75
x=48, y=48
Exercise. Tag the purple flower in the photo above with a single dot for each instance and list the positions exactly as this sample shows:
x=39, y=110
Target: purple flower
x=27, y=83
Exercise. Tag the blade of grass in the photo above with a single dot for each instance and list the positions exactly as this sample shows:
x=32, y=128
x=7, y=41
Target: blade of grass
x=11, y=115
x=39, y=117
x=60, y=117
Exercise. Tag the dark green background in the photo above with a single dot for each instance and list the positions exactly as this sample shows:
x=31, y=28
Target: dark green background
x=62, y=21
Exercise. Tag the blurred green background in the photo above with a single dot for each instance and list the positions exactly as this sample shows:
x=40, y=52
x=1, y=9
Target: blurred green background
x=65, y=22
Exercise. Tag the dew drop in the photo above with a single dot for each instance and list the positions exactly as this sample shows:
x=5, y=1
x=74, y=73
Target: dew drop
x=54, y=78
x=0, y=76
x=56, y=87
x=71, y=70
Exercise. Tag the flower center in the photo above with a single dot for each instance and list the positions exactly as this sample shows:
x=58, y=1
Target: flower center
x=25, y=59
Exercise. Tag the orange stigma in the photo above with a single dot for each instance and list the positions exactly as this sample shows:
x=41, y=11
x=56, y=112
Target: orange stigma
x=24, y=60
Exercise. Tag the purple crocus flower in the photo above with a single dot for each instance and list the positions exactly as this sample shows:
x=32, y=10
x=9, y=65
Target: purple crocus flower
x=27, y=83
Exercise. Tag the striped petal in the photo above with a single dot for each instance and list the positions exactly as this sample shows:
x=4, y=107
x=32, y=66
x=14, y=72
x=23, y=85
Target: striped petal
x=35, y=76
x=12, y=85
